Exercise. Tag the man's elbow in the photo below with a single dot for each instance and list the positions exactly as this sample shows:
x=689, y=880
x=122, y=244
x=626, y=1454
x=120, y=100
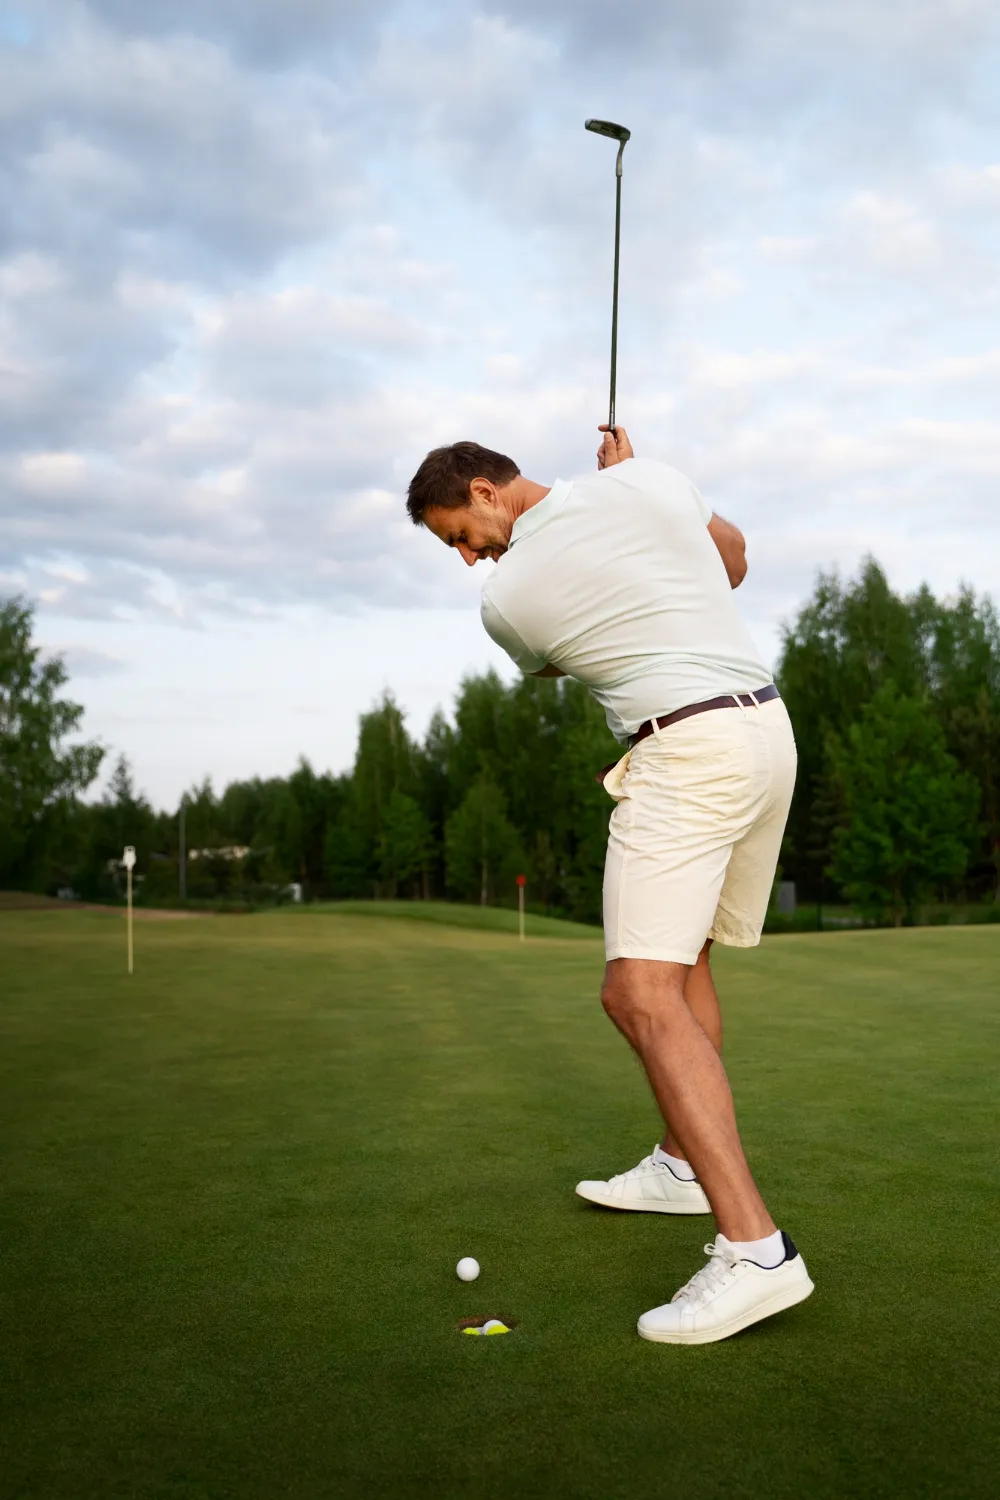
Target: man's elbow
x=736, y=556
x=731, y=546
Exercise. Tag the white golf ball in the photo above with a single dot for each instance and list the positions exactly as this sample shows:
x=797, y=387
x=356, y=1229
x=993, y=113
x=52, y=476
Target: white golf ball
x=467, y=1269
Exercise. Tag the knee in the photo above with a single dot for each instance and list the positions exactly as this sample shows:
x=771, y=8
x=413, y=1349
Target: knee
x=615, y=999
x=632, y=1008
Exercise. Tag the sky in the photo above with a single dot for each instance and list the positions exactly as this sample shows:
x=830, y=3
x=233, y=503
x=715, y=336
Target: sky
x=258, y=256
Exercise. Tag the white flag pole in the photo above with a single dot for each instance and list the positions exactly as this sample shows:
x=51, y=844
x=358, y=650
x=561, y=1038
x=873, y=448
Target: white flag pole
x=521, y=882
x=128, y=861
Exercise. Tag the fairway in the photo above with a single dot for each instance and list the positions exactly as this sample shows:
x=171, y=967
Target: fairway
x=235, y=1187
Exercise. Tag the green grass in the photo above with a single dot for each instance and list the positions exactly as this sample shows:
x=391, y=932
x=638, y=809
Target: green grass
x=450, y=914
x=235, y=1187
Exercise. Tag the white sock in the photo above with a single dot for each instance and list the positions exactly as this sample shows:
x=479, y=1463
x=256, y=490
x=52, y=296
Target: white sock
x=768, y=1252
x=681, y=1169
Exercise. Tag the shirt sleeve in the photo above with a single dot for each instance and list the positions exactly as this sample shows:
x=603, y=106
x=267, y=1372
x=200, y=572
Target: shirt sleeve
x=659, y=477
x=704, y=509
x=501, y=631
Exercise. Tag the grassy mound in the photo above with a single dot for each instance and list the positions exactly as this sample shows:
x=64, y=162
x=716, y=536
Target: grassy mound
x=452, y=914
x=30, y=901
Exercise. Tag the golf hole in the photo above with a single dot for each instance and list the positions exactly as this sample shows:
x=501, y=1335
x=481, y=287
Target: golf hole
x=464, y=1323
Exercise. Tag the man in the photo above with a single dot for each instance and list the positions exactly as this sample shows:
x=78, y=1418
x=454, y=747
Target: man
x=623, y=579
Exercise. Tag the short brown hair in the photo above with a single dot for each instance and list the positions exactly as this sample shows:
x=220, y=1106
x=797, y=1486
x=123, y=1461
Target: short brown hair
x=444, y=477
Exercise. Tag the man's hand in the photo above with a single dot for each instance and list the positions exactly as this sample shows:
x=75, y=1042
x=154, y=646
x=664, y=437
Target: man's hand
x=732, y=548
x=615, y=448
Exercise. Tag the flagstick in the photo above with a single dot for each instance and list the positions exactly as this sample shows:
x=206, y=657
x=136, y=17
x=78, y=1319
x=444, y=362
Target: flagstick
x=520, y=906
x=129, y=863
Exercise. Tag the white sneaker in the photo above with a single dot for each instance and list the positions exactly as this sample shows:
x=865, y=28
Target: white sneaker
x=726, y=1295
x=650, y=1188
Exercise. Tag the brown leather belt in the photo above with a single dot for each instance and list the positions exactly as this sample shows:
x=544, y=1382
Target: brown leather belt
x=729, y=700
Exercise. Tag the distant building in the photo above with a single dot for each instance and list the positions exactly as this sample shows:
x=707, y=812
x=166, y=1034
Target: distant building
x=228, y=851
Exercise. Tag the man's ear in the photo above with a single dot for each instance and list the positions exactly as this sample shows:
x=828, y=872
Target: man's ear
x=483, y=490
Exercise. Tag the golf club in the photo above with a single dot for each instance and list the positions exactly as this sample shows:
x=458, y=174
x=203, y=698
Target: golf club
x=620, y=134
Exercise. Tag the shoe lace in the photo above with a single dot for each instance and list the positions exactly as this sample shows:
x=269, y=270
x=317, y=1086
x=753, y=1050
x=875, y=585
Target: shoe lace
x=647, y=1164
x=711, y=1278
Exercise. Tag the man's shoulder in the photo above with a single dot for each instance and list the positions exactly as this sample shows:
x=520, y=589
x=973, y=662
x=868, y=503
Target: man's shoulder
x=502, y=590
x=643, y=478
x=513, y=583
x=647, y=471
x=634, y=474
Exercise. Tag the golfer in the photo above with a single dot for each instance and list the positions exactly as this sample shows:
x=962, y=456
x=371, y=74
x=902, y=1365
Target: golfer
x=623, y=580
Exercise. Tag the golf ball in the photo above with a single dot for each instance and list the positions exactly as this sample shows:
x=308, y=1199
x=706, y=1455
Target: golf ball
x=467, y=1269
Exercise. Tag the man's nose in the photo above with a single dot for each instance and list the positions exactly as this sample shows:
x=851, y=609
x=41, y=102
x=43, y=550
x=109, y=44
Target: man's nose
x=470, y=557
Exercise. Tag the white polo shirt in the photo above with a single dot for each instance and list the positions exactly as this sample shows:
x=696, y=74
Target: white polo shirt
x=615, y=579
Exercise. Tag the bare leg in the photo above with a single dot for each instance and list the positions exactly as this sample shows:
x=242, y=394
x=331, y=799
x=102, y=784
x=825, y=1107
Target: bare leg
x=703, y=1002
x=645, y=999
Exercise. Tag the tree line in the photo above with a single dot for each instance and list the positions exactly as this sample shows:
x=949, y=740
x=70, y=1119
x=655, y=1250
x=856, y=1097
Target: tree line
x=896, y=706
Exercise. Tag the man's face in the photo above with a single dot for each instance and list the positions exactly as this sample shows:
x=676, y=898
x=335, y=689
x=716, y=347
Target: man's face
x=479, y=531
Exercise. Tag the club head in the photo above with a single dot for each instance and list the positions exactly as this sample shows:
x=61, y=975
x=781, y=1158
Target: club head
x=608, y=128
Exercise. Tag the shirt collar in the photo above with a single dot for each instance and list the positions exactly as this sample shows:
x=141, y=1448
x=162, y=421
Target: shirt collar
x=539, y=515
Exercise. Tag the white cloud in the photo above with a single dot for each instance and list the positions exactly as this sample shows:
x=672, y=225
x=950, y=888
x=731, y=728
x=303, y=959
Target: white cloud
x=259, y=258
x=977, y=186
x=82, y=661
x=786, y=247
x=894, y=234
x=52, y=473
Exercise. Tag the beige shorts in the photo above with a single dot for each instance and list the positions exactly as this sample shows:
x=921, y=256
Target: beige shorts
x=694, y=840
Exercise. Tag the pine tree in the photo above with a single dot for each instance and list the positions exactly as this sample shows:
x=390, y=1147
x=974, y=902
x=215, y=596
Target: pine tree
x=482, y=847
x=39, y=773
x=908, y=811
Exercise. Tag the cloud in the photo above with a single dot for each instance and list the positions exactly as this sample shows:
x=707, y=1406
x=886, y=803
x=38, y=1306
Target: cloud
x=266, y=33
x=122, y=149
x=796, y=43
x=83, y=661
x=259, y=258
x=894, y=235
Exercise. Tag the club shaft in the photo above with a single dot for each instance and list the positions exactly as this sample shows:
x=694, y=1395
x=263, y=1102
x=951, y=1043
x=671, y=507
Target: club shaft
x=614, y=297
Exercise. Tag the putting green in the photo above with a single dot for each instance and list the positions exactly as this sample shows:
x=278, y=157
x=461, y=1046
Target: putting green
x=237, y=1184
